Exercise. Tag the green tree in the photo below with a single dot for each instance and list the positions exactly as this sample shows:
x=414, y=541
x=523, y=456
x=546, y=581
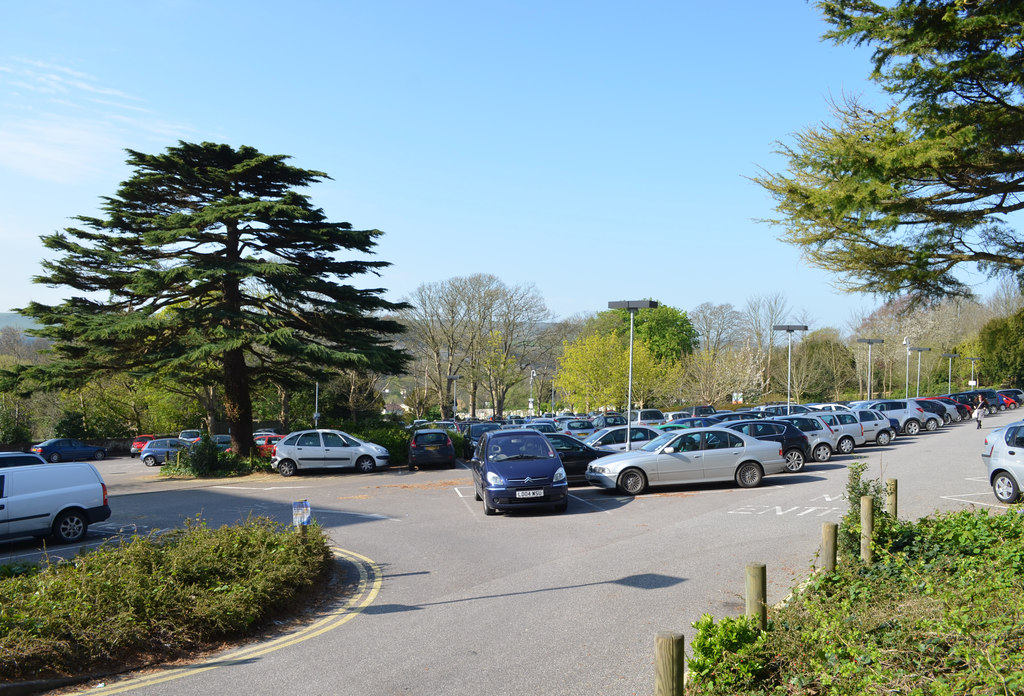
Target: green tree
x=592, y=371
x=210, y=256
x=667, y=331
x=1002, y=349
x=895, y=199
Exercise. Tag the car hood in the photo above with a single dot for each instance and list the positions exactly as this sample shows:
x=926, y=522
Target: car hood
x=521, y=468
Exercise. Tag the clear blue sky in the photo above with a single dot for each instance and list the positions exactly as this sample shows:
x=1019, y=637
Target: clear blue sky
x=596, y=149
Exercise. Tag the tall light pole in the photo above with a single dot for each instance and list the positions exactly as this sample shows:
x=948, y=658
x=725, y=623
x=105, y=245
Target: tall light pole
x=906, y=389
x=973, y=360
x=789, y=329
x=870, y=342
x=316, y=406
x=455, y=401
x=533, y=373
x=631, y=306
x=918, y=351
x=949, y=377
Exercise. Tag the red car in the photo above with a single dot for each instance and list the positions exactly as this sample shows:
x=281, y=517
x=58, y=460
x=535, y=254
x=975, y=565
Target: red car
x=265, y=444
x=139, y=442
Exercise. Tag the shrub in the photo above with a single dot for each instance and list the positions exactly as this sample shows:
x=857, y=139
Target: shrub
x=155, y=598
x=204, y=460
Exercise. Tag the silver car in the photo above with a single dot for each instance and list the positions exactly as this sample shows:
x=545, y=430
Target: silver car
x=322, y=449
x=847, y=427
x=822, y=438
x=1003, y=454
x=689, y=456
x=877, y=427
x=912, y=418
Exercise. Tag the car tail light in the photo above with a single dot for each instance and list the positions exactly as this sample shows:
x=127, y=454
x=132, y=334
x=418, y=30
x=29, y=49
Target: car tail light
x=104, y=493
x=861, y=428
x=412, y=444
x=449, y=443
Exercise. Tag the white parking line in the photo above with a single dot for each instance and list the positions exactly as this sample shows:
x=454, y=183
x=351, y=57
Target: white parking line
x=261, y=488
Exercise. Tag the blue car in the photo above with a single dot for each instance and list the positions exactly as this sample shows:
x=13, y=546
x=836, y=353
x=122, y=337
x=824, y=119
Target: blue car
x=158, y=451
x=68, y=449
x=516, y=470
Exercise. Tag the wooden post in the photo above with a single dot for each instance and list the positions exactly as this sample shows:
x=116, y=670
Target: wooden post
x=890, y=497
x=757, y=594
x=829, y=537
x=669, y=665
x=867, y=526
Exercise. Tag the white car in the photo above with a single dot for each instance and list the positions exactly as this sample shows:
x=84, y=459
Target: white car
x=1003, y=454
x=689, y=456
x=327, y=449
x=614, y=439
x=55, y=500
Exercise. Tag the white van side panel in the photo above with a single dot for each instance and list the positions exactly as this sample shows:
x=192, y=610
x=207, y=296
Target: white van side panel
x=34, y=495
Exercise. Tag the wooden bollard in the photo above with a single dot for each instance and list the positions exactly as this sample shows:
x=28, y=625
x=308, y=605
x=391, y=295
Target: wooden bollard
x=867, y=526
x=757, y=594
x=890, y=497
x=669, y=667
x=829, y=537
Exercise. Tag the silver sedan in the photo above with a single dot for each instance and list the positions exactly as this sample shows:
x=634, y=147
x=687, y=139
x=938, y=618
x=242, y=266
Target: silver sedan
x=1003, y=454
x=691, y=456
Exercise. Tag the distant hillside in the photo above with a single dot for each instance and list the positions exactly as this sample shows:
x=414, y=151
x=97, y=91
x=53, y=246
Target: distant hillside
x=16, y=320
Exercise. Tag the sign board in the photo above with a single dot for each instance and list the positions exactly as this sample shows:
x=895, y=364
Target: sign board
x=300, y=513
x=972, y=383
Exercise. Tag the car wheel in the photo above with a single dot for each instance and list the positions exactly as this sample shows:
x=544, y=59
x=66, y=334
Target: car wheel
x=54, y=457
x=1005, y=488
x=149, y=460
x=99, y=454
x=846, y=445
x=365, y=464
x=632, y=482
x=821, y=453
x=476, y=495
x=912, y=427
x=883, y=438
x=931, y=425
x=286, y=467
x=749, y=475
x=488, y=510
x=70, y=526
x=957, y=418
x=794, y=461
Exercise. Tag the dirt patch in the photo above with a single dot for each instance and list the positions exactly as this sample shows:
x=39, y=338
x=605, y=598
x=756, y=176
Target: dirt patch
x=427, y=485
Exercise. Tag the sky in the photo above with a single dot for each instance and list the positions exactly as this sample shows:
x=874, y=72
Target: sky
x=598, y=150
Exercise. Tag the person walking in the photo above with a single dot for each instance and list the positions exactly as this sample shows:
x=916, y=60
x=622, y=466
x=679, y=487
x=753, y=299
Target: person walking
x=980, y=409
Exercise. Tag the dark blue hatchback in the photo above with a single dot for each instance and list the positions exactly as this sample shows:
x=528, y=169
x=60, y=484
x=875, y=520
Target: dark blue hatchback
x=518, y=469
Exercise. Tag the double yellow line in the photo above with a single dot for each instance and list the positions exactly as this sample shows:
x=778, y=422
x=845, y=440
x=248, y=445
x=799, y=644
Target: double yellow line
x=367, y=588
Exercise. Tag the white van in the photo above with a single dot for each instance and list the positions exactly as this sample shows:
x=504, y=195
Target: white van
x=58, y=500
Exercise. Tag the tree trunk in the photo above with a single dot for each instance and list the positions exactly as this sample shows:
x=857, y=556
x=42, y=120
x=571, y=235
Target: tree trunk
x=238, y=402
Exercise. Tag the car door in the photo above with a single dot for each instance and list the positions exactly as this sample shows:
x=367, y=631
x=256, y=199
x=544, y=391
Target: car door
x=722, y=452
x=685, y=463
x=309, y=452
x=1012, y=455
x=574, y=455
x=338, y=451
x=77, y=449
x=872, y=423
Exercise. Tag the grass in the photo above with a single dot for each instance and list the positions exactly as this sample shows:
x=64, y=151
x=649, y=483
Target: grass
x=939, y=612
x=149, y=600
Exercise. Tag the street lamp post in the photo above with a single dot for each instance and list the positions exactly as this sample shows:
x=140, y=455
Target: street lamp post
x=973, y=360
x=631, y=306
x=906, y=389
x=870, y=342
x=918, y=351
x=949, y=377
x=789, y=329
x=533, y=373
x=455, y=402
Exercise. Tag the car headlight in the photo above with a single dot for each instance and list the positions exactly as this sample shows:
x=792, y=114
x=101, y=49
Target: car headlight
x=599, y=469
x=559, y=475
x=495, y=480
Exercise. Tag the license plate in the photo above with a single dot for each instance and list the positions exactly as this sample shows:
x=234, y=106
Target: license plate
x=530, y=494
x=432, y=447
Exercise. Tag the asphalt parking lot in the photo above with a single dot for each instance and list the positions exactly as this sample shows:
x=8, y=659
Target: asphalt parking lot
x=530, y=602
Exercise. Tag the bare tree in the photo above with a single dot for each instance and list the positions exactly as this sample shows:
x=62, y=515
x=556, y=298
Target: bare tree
x=760, y=315
x=717, y=326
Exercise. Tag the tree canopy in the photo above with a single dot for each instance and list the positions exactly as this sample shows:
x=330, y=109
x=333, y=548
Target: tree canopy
x=667, y=331
x=210, y=262
x=896, y=199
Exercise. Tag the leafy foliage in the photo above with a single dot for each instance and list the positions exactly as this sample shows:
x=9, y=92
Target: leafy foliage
x=153, y=599
x=939, y=613
x=896, y=198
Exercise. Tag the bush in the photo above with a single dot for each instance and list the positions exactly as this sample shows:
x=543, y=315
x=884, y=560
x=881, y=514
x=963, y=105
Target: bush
x=152, y=599
x=204, y=460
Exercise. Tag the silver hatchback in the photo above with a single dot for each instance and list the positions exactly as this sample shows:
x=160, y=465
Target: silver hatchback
x=822, y=438
x=1003, y=454
x=847, y=427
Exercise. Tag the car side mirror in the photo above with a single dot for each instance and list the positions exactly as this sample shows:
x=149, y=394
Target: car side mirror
x=669, y=450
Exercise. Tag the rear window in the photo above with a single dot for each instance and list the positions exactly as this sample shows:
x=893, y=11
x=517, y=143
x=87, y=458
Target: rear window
x=21, y=460
x=578, y=425
x=431, y=439
x=808, y=425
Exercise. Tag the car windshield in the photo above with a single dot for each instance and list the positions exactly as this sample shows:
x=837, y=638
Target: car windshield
x=659, y=442
x=595, y=436
x=502, y=449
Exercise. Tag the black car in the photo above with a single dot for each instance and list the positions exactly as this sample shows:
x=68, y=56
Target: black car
x=575, y=455
x=936, y=408
x=472, y=436
x=431, y=447
x=609, y=420
x=796, y=448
